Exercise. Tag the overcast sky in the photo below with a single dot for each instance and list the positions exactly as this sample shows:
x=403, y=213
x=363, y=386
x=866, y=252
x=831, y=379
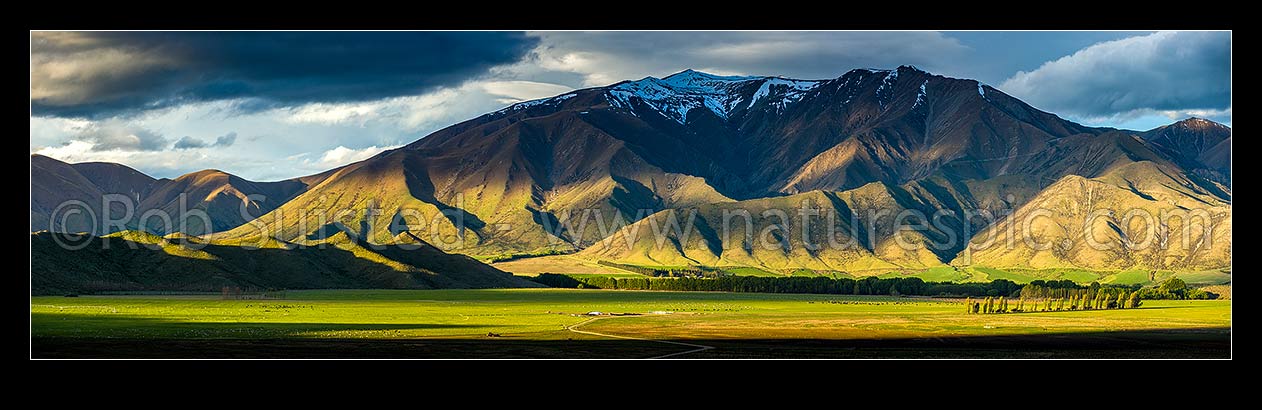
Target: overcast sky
x=269, y=106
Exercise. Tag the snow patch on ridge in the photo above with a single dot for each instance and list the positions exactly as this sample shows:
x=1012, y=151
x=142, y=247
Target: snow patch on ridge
x=527, y=104
x=886, y=90
x=888, y=82
x=921, y=96
x=794, y=90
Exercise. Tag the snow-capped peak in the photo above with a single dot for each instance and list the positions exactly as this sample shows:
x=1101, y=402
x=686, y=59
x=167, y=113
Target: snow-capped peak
x=696, y=79
x=679, y=93
x=1199, y=123
x=911, y=67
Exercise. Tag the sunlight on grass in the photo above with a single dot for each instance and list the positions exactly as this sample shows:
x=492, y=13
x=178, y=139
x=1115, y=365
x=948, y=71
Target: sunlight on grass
x=544, y=313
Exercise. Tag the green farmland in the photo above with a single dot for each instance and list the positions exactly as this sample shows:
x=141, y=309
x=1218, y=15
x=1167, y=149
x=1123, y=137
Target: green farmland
x=551, y=323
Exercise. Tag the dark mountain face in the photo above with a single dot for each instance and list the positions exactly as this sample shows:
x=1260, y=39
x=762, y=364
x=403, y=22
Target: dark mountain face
x=894, y=127
x=1196, y=144
x=757, y=136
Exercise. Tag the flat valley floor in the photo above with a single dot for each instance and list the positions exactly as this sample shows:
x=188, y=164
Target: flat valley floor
x=573, y=323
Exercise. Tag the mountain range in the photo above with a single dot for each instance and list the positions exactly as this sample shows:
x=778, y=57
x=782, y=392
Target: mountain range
x=221, y=196
x=579, y=171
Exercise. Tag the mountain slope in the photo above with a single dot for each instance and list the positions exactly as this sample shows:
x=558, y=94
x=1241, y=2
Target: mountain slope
x=132, y=261
x=227, y=200
x=852, y=231
x=511, y=179
x=565, y=173
x=54, y=183
x=1136, y=216
x=521, y=178
x=1142, y=179
x=114, y=178
x=897, y=126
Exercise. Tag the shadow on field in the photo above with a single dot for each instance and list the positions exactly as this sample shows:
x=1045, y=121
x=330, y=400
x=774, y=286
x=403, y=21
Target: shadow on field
x=130, y=326
x=1164, y=343
x=1157, y=343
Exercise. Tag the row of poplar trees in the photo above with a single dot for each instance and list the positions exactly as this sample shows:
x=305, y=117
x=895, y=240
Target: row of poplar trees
x=1124, y=300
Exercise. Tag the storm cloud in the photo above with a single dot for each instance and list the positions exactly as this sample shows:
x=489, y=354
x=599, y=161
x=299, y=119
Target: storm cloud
x=100, y=74
x=1165, y=72
x=307, y=101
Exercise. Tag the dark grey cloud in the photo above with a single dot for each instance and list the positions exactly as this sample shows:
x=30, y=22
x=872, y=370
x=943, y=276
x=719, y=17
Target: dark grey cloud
x=226, y=140
x=1162, y=72
x=97, y=74
x=188, y=142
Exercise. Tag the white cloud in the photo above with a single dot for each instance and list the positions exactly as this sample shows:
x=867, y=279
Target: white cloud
x=333, y=113
x=422, y=112
x=264, y=138
x=431, y=110
x=341, y=155
x=46, y=131
x=72, y=151
x=84, y=151
x=172, y=163
x=517, y=90
x=435, y=109
x=1184, y=114
x=1167, y=73
x=117, y=135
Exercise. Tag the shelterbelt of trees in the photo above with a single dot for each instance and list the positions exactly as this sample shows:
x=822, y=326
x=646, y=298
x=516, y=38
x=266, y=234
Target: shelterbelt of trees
x=761, y=284
x=693, y=272
x=1072, y=299
x=1173, y=288
x=1037, y=289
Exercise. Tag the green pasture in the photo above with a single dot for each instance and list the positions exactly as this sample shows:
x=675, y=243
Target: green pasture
x=544, y=314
